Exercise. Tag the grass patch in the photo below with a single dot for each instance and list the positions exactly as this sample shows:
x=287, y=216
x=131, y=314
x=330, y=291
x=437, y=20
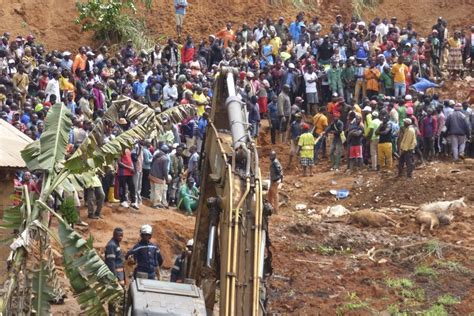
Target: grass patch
x=394, y=310
x=399, y=283
x=355, y=303
x=452, y=266
x=433, y=248
x=448, y=299
x=415, y=294
x=426, y=271
x=326, y=250
x=435, y=310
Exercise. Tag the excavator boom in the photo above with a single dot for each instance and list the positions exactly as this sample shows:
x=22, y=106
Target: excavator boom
x=229, y=237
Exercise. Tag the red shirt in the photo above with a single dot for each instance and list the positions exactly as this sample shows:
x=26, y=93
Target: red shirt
x=126, y=159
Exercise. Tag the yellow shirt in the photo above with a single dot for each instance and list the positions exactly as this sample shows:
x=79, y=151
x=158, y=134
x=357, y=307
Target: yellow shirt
x=454, y=43
x=358, y=110
x=399, y=72
x=276, y=44
x=200, y=100
x=408, y=140
x=306, y=142
x=320, y=122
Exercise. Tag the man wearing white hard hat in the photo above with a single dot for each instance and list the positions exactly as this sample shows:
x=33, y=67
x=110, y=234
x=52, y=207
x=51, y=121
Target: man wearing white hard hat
x=180, y=269
x=147, y=256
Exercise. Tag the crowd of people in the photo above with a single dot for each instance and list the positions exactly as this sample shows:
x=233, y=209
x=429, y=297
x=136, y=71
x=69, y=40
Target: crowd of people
x=362, y=89
x=365, y=90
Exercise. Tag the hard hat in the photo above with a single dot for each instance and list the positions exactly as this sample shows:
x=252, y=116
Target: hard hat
x=146, y=229
x=408, y=97
x=190, y=243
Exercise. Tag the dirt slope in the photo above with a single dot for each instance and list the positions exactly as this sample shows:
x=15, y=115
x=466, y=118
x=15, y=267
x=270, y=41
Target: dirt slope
x=423, y=14
x=52, y=21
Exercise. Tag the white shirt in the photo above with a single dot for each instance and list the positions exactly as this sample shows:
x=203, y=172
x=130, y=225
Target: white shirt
x=53, y=88
x=170, y=95
x=300, y=49
x=258, y=34
x=310, y=86
x=381, y=29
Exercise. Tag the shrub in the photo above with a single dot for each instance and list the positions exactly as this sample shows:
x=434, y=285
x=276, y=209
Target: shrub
x=113, y=20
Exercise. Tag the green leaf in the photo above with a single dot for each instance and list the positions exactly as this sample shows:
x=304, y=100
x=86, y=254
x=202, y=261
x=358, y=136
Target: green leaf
x=30, y=155
x=41, y=290
x=91, y=280
x=55, y=137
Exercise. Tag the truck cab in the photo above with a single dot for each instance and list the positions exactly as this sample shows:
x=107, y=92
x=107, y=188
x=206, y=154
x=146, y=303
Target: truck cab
x=157, y=298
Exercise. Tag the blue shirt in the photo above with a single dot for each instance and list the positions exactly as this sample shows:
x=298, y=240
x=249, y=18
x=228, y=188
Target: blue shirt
x=295, y=30
x=147, y=158
x=273, y=111
x=139, y=88
x=25, y=119
x=182, y=9
x=147, y=256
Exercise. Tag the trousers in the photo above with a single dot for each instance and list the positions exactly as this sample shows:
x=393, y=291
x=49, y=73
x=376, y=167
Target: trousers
x=272, y=195
x=157, y=193
x=374, y=143
x=335, y=152
x=124, y=182
x=458, y=144
x=137, y=182
x=406, y=158
x=385, y=155
x=94, y=196
x=189, y=204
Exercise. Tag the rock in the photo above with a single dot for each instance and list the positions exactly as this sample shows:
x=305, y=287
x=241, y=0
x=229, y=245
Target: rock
x=300, y=207
x=298, y=185
x=336, y=211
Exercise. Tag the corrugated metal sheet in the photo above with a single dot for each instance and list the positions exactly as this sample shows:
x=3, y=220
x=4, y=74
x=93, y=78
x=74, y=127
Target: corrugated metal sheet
x=12, y=141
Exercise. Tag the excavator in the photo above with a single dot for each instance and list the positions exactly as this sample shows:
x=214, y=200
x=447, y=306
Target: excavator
x=231, y=255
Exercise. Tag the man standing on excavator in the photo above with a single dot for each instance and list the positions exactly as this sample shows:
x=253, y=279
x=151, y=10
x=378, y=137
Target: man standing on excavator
x=180, y=268
x=147, y=256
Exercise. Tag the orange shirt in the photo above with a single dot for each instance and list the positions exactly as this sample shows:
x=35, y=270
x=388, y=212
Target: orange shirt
x=371, y=76
x=226, y=35
x=79, y=62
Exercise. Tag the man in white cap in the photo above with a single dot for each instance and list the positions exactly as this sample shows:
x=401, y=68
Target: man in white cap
x=147, y=256
x=180, y=269
x=407, y=147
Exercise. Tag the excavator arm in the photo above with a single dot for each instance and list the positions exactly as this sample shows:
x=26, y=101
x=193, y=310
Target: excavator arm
x=229, y=238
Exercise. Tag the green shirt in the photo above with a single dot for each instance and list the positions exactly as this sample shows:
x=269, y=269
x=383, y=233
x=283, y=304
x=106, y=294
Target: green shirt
x=306, y=142
x=387, y=80
x=335, y=79
x=374, y=125
x=402, y=114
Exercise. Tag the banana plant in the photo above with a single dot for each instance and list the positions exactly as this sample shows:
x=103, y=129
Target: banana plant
x=91, y=280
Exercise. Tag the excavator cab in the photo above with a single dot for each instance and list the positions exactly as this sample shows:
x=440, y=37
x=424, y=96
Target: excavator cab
x=159, y=298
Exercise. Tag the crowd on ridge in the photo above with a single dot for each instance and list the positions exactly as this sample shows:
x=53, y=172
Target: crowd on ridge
x=360, y=90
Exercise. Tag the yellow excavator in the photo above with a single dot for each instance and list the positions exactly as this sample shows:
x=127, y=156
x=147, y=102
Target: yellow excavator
x=231, y=254
x=230, y=236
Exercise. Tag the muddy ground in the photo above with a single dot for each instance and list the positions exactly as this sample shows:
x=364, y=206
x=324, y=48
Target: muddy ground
x=323, y=267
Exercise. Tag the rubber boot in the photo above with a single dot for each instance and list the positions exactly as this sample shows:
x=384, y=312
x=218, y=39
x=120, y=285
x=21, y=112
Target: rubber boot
x=111, y=196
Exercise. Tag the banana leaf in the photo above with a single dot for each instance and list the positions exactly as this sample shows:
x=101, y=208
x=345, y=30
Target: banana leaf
x=30, y=155
x=91, y=280
x=55, y=137
x=42, y=291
